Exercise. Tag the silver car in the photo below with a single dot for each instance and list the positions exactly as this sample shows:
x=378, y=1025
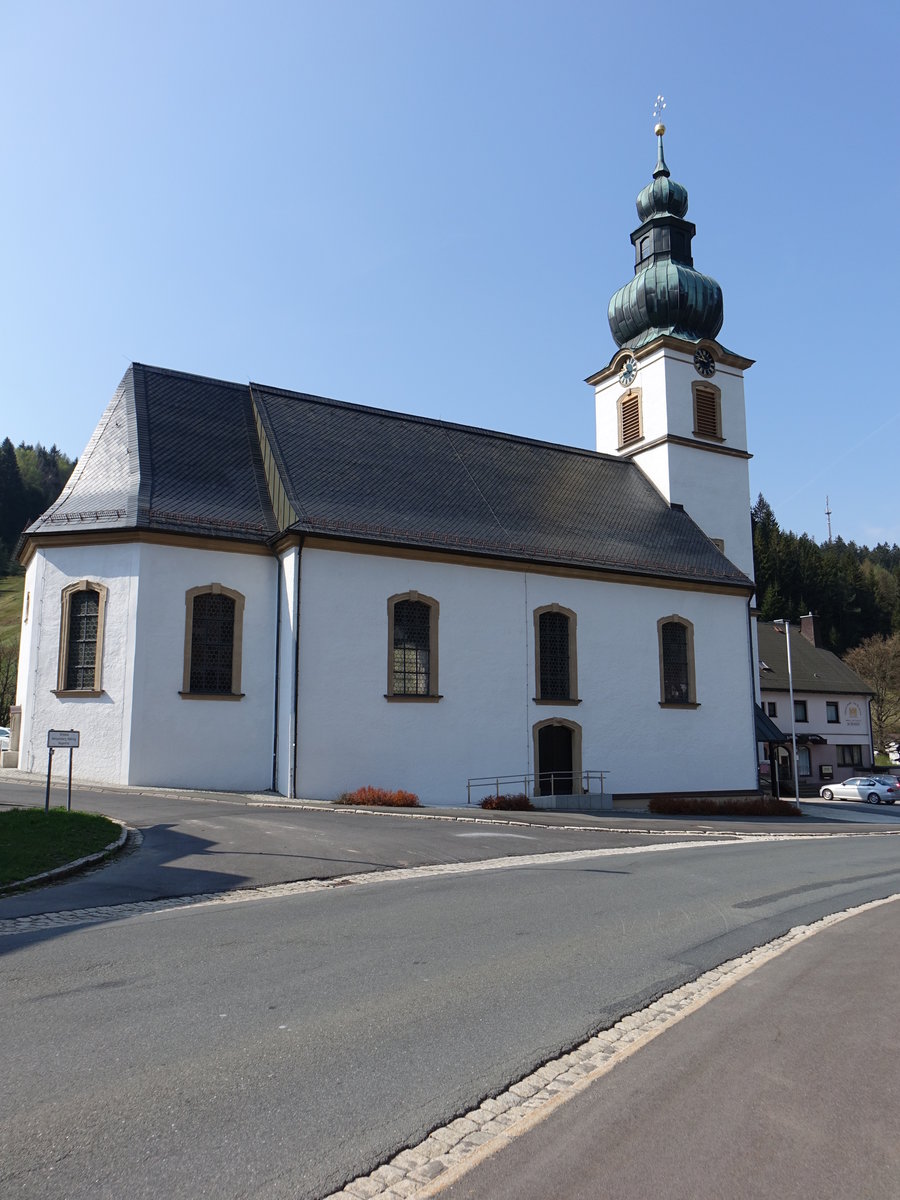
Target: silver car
x=4, y=738
x=874, y=789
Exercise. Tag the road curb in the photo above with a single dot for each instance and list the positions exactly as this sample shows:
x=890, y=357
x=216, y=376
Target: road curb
x=76, y=865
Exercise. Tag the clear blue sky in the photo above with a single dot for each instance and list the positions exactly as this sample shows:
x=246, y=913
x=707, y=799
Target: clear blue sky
x=427, y=206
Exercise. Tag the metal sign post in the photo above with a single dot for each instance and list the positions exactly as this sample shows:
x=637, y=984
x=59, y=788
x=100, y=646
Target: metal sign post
x=61, y=739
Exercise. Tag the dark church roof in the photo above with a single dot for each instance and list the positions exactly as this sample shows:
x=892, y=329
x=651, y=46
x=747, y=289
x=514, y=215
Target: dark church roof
x=183, y=454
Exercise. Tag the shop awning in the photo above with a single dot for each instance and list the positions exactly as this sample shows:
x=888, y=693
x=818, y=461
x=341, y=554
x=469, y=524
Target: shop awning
x=766, y=729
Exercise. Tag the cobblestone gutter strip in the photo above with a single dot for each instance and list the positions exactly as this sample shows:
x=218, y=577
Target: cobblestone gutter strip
x=447, y=1153
x=76, y=865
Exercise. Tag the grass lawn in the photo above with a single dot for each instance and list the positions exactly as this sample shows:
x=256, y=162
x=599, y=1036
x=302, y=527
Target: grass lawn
x=12, y=588
x=32, y=841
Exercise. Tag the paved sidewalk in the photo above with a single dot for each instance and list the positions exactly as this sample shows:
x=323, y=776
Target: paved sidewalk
x=787, y=1084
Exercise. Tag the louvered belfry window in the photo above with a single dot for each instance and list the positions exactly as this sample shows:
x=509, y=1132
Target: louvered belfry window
x=212, y=643
x=706, y=412
x=553, y=630
x=412, y=648
x=676, y=674
x=631, y=419
x=84, y=616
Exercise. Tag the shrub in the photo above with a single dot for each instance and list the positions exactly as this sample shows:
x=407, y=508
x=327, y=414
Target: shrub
x=750, y=806
x=519, y=803
x=374, y=795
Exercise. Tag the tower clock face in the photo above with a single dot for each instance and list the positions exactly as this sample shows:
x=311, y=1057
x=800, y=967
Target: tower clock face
x=629, y=371
x=705, y=363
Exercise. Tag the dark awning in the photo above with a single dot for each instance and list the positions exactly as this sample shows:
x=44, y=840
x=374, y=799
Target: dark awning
x=766, y=729
x=812, y=739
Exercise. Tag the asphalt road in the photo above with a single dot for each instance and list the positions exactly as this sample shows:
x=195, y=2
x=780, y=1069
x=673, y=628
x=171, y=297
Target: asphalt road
x=275, y=1048
x=785, y=1085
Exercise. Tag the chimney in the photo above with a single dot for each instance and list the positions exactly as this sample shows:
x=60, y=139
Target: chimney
x=809, y=628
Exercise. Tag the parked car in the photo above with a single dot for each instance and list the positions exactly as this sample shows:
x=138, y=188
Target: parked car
x=874, y=789
x=4, y=738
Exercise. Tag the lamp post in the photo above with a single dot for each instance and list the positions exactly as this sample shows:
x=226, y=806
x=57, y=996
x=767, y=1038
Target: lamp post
x=786, y=625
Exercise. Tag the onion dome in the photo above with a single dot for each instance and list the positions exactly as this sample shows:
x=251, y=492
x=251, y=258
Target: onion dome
x=666, y=296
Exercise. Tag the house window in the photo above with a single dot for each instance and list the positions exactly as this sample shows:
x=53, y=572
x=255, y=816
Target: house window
x=800, y=711
x=771, y=708
x=213, y=641
x=849, y=756
x=677, y=679
x=804, y=770
x=831, y=712
x=82, y=609
x=412, y=647
x=555, y=658
x=707, y=411
x=630, y=420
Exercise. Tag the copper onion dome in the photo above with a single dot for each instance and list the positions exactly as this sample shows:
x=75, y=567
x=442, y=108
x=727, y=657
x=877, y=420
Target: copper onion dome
x=666, y=296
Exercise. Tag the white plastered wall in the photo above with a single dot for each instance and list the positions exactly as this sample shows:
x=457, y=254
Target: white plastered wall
x=202, y=743
x=350, y=735
x=103, y=722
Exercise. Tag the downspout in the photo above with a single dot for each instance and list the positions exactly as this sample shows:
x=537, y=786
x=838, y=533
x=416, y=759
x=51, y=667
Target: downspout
x=278, y=581
x=295, y=682
x=753, y=678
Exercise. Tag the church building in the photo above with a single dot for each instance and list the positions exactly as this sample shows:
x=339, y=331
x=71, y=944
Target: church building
x=248, y=588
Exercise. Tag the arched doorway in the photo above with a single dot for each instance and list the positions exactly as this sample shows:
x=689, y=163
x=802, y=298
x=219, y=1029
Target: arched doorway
x=557, y=758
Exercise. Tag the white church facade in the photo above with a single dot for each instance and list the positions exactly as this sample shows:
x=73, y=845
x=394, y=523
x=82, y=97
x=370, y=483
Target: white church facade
x=246, y=588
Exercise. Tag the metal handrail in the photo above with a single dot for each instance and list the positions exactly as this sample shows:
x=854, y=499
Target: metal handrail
x=493, y=782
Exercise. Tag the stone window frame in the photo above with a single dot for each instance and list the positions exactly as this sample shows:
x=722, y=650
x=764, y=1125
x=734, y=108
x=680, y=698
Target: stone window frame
x=572, y=698
x=237, y=645
x=691, y=702
x=832, y=706
x=701, y=386
x=771, y=708
x=65, y=621
x=577, y=769
x=800, y=706
x=633, y=395
x=432, y=695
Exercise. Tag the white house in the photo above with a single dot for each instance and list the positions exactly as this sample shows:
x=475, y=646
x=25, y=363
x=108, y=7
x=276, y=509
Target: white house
x=831, y=723
x=243, y=587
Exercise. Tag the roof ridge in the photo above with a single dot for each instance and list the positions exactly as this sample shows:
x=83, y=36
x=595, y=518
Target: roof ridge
x=437, y=422
x=229, y=383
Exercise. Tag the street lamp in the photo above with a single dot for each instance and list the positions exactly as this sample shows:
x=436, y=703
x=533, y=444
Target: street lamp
x=786, y=625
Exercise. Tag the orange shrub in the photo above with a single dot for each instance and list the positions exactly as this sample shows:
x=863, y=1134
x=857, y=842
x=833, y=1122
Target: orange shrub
x=519, y=803
x=380, y=796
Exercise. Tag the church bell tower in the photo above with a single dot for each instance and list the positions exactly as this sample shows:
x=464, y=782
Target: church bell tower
x=672, y=396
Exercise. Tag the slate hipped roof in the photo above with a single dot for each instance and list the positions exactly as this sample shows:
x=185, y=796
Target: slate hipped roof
x=813, y=669
x=180, y=453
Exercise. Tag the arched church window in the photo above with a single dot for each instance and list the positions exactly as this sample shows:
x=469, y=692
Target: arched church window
x=412, y=647
x=82, y=610
x=555, y=655
x=213, y=640
x=677, y=678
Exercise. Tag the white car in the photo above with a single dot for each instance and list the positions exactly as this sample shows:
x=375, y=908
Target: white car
x=874, y=789
x=4, y=738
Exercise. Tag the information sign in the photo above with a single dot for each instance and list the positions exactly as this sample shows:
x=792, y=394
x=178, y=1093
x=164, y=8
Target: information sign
x=63, y=739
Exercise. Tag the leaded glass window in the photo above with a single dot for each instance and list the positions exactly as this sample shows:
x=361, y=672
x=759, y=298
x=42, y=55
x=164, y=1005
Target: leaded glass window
x=212, y=643
x=676, y=669
x=84, y=617
x=553, y=631
x=411, y=652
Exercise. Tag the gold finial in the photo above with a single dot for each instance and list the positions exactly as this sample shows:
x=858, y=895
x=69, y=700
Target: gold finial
x=658, y=108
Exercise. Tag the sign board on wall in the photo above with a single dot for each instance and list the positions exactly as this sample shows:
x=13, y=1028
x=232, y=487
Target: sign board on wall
x=63, y=739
